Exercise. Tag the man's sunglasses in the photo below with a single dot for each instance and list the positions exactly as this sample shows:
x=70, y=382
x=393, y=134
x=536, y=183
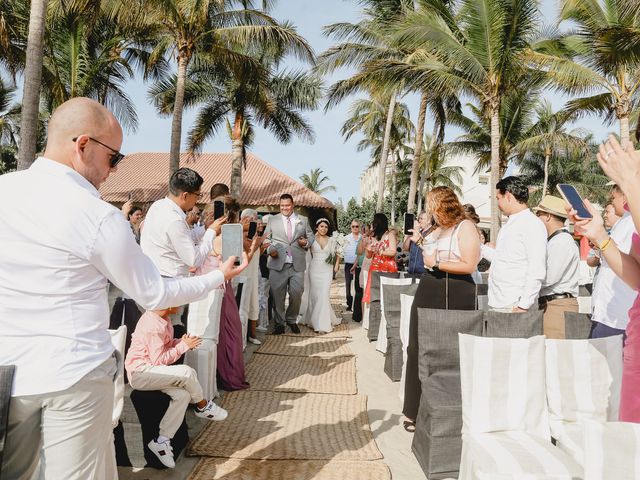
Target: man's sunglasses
x=114, y=159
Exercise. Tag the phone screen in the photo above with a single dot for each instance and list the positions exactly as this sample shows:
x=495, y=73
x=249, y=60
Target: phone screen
x=253, y=227
x=218, y=209
x=409, y=220
x=574, y=199
x=232, y=242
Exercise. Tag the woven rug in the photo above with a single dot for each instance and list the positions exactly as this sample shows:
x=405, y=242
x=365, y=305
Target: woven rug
x=280, y=426
x=339, y=331
x=305, y=346
x=235, y=469
x=335, y=375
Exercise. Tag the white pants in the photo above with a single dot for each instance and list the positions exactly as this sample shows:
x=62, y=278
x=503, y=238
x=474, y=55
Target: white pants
x=180, y=382
x=65, y=433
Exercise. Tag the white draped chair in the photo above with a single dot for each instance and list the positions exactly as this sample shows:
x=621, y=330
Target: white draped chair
x=405, y=318
x=505, y=431
x=611, y=451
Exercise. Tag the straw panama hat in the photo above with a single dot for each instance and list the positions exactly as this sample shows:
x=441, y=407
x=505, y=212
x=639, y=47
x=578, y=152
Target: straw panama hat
x=554, y=205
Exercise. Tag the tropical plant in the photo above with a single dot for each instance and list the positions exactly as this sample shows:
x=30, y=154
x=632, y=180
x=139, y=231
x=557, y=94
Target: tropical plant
x=32, y=82
x=433, y=163
x=367, y=42
x=480, y=49
x=210, y=31
x=314, y=181
x=8, y=128
x=243, y=96
x=600, y=58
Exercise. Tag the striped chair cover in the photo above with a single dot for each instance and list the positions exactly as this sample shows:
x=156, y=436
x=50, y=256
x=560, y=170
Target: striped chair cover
x=514, y=325
x=612, y=451
x=505, y=420
x=584, y=298
x=583, y=384
x=577, y=326
x=6, y=384
x=405, y=317
x=381, y=343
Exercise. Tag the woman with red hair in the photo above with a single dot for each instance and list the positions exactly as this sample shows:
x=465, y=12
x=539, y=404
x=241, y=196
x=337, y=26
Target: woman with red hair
x=451, y=254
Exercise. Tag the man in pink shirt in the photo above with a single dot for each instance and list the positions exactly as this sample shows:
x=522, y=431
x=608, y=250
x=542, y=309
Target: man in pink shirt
x=149, y=367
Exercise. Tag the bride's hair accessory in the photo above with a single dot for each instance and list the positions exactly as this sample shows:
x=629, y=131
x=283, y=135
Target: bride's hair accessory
x=320, y=220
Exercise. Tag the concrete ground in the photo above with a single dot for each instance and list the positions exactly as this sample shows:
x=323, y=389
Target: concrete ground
x=384, y=407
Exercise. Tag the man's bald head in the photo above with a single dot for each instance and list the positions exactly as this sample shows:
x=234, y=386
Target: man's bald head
x=98, y=136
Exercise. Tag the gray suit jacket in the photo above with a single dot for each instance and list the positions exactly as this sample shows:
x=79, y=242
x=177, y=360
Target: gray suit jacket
x=276, y=234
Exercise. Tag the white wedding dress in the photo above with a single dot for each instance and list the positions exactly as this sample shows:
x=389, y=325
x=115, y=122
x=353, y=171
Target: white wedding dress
x=319, y=314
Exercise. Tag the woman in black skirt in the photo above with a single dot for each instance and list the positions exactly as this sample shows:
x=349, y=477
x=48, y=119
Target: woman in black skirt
x=451, y=253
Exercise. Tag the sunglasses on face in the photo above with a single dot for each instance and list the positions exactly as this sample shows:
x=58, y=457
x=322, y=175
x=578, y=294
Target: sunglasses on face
x=115, y=157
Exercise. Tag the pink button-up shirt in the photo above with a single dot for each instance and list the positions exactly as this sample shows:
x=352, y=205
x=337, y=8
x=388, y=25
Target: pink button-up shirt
x=152, y=343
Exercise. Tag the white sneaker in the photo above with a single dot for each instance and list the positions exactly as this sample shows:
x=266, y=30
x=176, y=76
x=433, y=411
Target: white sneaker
x=163, y=451
x=212, y=412
x=255, y=341
x=262, y=329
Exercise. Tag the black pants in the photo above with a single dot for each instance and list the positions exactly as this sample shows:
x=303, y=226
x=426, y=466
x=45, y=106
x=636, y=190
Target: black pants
x=348, y=277
x=357, y=300
x=432, y=292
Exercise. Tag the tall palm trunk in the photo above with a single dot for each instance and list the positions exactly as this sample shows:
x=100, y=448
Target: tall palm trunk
x=425, y=172
x=178, y=108
x=385, y=152
x=624, y=130
x=32, y=82
x=393, y=188
x=495, y=169
x=237, y=156
x=417, y=151
x=545, y=184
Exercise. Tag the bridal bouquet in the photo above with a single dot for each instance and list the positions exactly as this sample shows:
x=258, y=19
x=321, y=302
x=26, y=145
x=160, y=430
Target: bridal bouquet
x=337, y=244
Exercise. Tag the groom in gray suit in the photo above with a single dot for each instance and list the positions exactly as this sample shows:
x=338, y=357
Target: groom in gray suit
x=289, y=237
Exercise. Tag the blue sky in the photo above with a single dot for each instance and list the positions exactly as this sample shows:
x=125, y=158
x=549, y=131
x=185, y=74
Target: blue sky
x=339, y=160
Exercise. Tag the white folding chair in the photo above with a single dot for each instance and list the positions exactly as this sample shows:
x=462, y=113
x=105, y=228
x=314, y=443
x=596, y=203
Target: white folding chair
x=381, y=342
x=405, y=318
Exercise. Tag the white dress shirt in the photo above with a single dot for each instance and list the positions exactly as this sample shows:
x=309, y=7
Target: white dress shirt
x=612, y=298
x=563, y=266
x=350, y=249
x=285, y=222
x=60, y=244
x=167, y=240
x=518, y=263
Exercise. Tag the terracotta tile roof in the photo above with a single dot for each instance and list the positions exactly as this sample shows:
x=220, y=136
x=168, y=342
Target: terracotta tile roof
x=146, y=174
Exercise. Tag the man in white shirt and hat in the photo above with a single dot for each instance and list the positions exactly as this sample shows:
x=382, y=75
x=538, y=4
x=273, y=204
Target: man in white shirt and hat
x=559, y=292
x=518, y=262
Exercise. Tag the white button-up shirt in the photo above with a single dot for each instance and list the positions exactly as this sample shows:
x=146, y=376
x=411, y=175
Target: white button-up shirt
x=350, y=249
x=60, y=243
x=612, y=298
x=518, y=263
x=563, y=266
x=167, y=240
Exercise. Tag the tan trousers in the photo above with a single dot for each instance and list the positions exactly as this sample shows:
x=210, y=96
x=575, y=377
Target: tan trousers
x=554, y=316
x=180, y=382
x=62, y=435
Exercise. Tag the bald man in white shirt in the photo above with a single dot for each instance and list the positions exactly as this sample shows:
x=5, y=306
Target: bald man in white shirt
x=518, y=262
x=61, y=243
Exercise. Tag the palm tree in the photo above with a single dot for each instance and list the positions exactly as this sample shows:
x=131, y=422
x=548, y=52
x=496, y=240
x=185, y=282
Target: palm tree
x=482, y=51
x=433, y=163
x=8, y=128
x=601, y=55
x=208, y=30
x=245, y=97
x=32, y=81
x=367, y=42
x=549, y=138
x=314, y=180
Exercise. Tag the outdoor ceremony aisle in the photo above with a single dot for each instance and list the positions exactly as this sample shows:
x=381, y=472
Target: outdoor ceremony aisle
x=302, y=418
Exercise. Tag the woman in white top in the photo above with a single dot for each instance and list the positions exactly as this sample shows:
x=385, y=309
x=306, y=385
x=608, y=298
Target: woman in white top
x=451, y=254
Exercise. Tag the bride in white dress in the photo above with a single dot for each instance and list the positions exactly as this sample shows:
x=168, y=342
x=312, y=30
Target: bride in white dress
x=319, y=314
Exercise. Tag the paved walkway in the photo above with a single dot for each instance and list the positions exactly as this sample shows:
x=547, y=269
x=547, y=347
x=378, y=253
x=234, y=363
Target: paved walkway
x=383, y=405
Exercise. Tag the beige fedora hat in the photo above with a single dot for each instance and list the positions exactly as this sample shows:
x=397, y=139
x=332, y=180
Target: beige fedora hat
x=554, y=205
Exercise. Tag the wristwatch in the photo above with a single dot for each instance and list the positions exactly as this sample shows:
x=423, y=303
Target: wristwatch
x=436, y=266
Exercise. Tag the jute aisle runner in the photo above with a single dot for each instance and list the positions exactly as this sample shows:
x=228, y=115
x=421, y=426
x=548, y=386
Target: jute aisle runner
x=273, y=432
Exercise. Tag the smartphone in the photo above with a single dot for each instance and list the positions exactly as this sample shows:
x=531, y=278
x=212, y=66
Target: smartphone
x=573, y=198
x=218, y=209
x=232, y=241
x=409, y=220
x=253, y=228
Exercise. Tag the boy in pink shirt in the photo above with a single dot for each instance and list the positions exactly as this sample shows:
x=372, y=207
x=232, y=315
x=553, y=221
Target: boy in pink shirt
x=148, y=364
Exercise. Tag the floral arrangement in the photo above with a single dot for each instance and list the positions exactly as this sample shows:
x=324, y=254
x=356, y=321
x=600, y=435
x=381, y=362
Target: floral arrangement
x=337, y=244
